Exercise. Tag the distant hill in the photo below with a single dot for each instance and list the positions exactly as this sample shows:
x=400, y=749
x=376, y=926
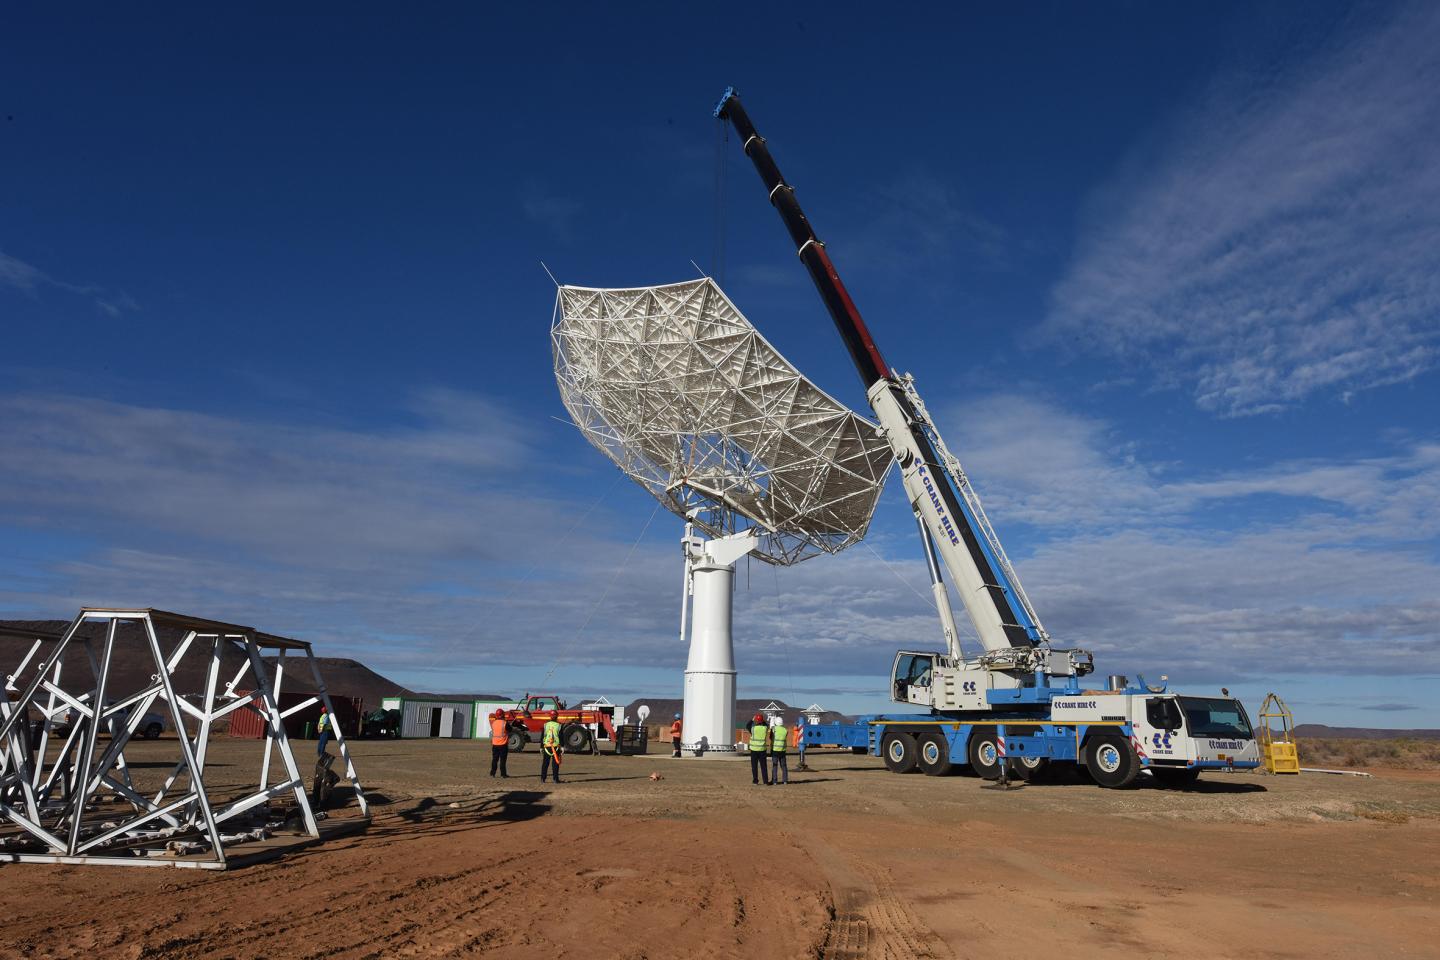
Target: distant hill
x=1320, y=731
x=500, y=697
x=344, y=677
x=132, y=664
x=662, y=710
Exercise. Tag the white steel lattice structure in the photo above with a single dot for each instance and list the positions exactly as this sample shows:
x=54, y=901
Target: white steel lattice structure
x=68, y=794
x=675, y=385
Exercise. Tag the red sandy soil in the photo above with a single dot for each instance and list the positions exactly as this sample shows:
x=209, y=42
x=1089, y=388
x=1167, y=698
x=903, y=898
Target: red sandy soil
x=848, y=861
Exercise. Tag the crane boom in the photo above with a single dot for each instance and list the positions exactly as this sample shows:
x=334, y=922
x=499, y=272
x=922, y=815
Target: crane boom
x=986, y=583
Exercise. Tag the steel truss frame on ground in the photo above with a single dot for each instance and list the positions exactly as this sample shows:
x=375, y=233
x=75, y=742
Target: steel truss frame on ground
x=56, y=800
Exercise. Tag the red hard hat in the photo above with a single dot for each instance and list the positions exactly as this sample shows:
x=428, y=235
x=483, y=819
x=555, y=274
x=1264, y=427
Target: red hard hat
x=554, y=714
x=759, y=718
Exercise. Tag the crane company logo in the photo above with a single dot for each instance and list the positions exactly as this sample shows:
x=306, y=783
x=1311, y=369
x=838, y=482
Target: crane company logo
x=1074, y=704
x=968, y=686
x=1161, y=741
x=939, y=507
x=1226, y=744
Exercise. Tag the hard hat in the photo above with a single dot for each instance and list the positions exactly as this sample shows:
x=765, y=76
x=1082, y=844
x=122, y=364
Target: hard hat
x=554, y=714
x=677, y=716
x=759, y=718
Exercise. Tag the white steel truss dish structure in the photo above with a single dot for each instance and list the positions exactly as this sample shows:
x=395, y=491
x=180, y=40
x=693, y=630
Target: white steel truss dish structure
x=675, y=386
x=80, y=803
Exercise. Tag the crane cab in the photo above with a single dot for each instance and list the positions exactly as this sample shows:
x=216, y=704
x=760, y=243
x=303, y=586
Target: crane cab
x=912, y=678
x=932, y=679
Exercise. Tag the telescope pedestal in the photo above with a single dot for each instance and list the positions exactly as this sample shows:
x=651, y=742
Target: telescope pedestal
x=709, y=717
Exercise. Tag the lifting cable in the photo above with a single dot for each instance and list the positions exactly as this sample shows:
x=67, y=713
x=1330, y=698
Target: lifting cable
x=722, y=155
x=930, y=600
x=610, y=586
x=784, y=638
x=509, y=594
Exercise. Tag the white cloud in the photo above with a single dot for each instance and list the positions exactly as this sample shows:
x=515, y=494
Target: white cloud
x=1151, y=572
x=425, y=549
x=29, y=280
x=1282, y=240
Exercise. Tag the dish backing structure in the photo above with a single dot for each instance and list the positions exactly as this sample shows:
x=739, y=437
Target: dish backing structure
x=680, y=390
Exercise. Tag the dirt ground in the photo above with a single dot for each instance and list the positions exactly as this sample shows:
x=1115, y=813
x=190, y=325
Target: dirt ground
x=848, y=861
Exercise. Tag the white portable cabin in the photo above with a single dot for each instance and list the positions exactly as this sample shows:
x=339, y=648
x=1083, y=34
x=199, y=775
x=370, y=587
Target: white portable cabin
x=480, y=720
x=451, y=719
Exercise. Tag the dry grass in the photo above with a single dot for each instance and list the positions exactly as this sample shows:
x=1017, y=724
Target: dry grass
x=1398, y=754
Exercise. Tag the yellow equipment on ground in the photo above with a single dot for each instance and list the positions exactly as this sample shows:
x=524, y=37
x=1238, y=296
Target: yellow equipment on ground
x=1277, y=747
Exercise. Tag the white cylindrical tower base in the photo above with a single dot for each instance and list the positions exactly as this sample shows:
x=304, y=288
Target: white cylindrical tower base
x=709, y=718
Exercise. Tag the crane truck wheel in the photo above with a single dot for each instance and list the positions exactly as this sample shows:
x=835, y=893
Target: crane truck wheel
x=934, y=755
x=575, y=738
x=1174, y=779
x=517, y=741
x=1031, y=769
x=899, y=751
x=1112, y=761
x=984, y=753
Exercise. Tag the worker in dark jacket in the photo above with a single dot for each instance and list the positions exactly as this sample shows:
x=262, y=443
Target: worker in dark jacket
x=326, y=730
x=759, y=749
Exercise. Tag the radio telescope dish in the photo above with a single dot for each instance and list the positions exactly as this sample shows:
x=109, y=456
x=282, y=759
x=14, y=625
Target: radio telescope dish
x=675, y=386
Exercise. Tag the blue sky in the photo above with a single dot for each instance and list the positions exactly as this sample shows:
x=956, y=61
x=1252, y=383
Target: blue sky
x=275, y=329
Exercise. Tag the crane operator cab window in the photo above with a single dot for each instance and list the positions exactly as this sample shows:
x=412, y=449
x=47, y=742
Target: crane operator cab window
x=1163, y=714
x=1213, y=717
x=911, y=677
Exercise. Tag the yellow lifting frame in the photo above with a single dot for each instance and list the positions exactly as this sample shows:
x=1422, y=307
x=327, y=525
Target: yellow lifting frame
x=1281, y=755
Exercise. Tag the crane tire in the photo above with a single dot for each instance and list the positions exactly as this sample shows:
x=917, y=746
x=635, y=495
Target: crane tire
x=1169, y=778
x=984, y=756
x=1031, y=769
x=933, y=754
x=517, y=741
x=899, y=751
x=1112, y=761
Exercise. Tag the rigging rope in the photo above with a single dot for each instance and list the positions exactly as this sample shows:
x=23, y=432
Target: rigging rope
x=722, y=154
x=509, y=594
x=610, y=586
x=960, y=626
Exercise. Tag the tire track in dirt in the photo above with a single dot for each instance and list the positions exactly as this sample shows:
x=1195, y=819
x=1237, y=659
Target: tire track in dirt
x=867, y=918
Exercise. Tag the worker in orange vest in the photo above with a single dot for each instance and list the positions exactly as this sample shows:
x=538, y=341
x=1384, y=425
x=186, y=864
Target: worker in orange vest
x=499, y=743
x=675, y=729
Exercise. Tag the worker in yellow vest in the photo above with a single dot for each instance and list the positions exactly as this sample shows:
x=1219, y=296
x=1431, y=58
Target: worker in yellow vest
x=759, y=744
x=499, y=743
x=779, y=744
x=550, y=747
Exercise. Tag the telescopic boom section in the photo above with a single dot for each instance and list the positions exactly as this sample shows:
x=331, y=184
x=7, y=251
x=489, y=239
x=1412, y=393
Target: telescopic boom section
x=999, y=621
x=847, y=319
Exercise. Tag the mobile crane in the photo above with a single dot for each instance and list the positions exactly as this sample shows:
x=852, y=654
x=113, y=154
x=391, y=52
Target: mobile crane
x=1017, y=707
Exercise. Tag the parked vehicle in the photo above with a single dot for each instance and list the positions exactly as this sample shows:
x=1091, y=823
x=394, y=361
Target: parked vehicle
x=580, y=729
